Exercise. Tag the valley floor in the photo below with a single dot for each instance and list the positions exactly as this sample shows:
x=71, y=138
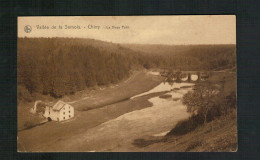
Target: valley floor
x=46, y=136
x=113, y=125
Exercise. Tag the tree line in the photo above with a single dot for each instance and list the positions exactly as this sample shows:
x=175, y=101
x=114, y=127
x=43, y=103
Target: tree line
x=60, y=66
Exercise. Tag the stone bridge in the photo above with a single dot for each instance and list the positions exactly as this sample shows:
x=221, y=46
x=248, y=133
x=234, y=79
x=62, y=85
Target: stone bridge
x=186, y=76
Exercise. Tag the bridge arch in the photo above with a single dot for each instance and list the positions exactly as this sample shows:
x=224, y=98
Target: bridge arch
x=184, y=77
x=194, y=77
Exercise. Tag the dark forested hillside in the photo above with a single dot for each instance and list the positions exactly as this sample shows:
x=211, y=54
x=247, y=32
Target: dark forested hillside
x=188, y=57
x=60, y=66
x=64, y=66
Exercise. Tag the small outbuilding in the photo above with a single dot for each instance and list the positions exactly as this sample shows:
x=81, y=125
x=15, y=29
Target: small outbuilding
x=59, y=112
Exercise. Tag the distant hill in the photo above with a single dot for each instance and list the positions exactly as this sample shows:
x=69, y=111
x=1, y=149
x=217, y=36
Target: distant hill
x=60, y=66
x=179, y=49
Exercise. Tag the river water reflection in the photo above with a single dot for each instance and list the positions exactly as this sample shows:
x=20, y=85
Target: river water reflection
x=156, y=120
x=165, y=86
x=160, y=118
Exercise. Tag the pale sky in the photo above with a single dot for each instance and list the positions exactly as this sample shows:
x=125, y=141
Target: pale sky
x=208, y=29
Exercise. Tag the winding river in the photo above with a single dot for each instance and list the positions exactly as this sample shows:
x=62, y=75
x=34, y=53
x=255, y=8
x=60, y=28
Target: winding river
x=119, y=133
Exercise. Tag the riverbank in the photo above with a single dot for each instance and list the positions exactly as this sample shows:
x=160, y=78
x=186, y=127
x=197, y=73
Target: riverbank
x=220, y=134
x=117, y=126
x=139, y=82
x=46, y=137
x=119, y=133
x=95, y=97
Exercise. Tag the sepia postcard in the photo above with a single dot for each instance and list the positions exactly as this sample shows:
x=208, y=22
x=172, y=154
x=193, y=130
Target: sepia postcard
x=127, y=84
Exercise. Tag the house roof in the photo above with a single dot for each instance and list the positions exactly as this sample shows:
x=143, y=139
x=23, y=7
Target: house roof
x=59, y=105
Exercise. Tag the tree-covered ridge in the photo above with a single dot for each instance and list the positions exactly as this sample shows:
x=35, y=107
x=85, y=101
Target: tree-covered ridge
x=189, y=57
x=60, y=66
x=50, y=66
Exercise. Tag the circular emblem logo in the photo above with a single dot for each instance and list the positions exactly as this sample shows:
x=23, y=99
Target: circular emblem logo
x=27, y=28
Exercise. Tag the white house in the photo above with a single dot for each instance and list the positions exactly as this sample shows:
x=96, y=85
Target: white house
x=59, y=112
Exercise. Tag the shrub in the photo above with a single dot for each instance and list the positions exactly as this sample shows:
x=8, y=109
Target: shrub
x=208, y=105
x=40, y=107
x=29, y=124
x=186, y=126
x=206, y=100
x=23, y=94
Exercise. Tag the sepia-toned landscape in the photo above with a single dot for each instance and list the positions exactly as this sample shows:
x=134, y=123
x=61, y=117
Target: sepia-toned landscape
x=136, y=88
